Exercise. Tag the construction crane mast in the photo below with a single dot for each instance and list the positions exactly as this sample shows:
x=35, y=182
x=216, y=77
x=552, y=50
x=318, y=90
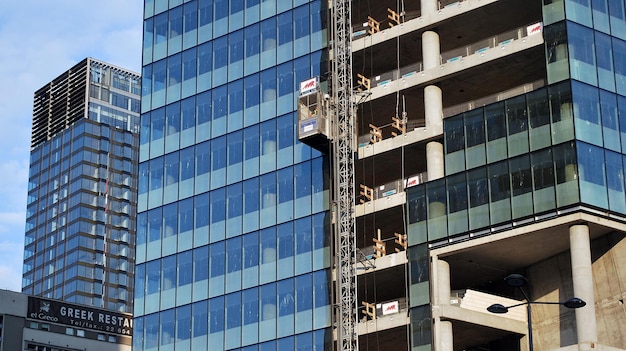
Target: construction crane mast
x=343, y=169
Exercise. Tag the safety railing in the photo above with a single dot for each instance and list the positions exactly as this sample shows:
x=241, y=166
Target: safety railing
x=381, y=191
x=477, y=48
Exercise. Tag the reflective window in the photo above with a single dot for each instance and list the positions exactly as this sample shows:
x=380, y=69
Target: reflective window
x=205, y=65
x=579, y=11
x=454, y=143
x=219, y=111
x=190, y=24
x=220, y=15
x=600, y=14
x=604, y=56
x=189, y=72
x=235, y=54
x=587, y=113
x=285, y=37
x=183, y=322
x=218, y=162
x=543, y=180
x=199, y=318
x=582, y=57
x=175, y=30
x=592, y=182
x=457, y=200
x=160, y=36
x=148, y=39
x=220, y=60
x=205, y=20
x=185, y=268
x=619, y=60
x=615, y=181
x=617, y=17
x=521, y=186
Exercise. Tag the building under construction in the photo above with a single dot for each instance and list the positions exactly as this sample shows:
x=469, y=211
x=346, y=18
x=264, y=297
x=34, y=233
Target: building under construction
x=485, y=143
x=343, y=175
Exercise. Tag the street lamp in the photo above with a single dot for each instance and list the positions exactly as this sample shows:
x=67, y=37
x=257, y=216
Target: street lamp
x=518, y=281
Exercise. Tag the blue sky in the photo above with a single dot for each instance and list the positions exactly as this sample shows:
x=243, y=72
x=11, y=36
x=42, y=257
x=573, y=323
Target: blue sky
x=40, y=39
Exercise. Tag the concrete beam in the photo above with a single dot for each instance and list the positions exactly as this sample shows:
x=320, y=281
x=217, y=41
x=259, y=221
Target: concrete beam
x=383, y=323
x=426, y=20
x=380, y=204
x=411, y=137
x=451, y=68
x=480, y=318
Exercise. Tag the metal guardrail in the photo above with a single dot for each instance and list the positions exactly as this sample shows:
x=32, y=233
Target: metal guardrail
x=453, y=55
x=384, y=309
x=398, y=186
x=360, y=30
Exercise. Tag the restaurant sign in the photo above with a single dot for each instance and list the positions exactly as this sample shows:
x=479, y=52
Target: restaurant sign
x=78, y=316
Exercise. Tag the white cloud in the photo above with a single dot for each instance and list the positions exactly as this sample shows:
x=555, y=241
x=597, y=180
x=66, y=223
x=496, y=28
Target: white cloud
x=39, y=41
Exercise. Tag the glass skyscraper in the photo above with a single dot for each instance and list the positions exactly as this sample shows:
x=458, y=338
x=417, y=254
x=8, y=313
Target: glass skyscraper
x=490, y=142
x=233, y=247
x=81, y=208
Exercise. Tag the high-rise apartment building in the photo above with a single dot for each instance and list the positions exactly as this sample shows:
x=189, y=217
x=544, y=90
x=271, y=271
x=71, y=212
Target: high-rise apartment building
x=232, y=236
x=81, y=208
x=489, y=138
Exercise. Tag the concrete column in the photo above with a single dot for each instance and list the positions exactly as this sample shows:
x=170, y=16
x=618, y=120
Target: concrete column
x=429, y=7
x=433, y=108
x=445, y=337
x=430, y=50
x=434, y=160
x=443, y=283
x=582, y=279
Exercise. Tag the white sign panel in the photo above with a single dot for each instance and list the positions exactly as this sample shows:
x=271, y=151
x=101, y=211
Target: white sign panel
x=534, y=29
x=391, y=308
x=308, y=86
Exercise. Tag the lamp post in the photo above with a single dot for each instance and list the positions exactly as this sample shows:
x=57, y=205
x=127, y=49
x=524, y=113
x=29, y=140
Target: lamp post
x=519, y=281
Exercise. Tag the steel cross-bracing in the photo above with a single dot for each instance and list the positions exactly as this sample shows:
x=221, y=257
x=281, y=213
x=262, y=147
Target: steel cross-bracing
x=343, y=143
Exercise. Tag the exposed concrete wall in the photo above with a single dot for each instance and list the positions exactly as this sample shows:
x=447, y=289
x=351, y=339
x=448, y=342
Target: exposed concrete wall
x=609, y=270
x=551, y=280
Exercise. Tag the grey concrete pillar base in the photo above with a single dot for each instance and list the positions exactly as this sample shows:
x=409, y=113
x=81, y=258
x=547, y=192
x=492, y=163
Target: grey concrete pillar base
x=445, y=337
x=433, y=108
x=430, y=50
x=443, y=282
x=582, y=280
x=434, y=160
x=429, y=7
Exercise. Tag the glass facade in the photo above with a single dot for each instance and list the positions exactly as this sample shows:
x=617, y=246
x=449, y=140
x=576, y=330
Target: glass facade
x=81, y=207
x=233, y=231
